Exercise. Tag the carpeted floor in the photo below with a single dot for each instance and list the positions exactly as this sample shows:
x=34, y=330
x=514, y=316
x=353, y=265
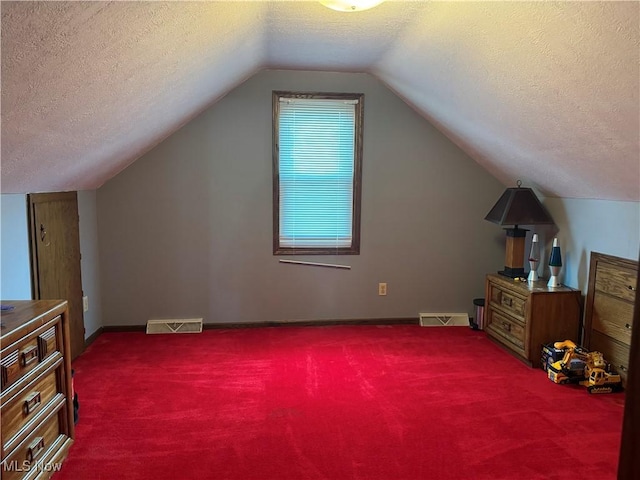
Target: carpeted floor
x=341, y=402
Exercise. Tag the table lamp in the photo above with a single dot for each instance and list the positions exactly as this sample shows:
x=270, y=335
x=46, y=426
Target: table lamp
x=534, y=259
x=517, y=206
x=555, y=262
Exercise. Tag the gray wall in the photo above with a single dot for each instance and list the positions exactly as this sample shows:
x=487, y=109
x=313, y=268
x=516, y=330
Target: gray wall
x=14, y=248
x=584, y=226
x=89, y=263
x=187, y=229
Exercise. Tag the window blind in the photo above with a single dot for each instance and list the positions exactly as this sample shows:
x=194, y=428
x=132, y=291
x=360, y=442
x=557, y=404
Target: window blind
x=316, y=172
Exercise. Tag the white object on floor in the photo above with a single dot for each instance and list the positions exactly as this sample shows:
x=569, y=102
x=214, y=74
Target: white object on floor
x=182, y=325
x=444, y=319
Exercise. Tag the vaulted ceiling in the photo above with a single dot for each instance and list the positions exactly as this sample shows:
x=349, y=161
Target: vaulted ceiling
x=546, y=92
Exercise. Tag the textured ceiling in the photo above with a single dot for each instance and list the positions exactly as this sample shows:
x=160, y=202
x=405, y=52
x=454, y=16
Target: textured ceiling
x=546, y=92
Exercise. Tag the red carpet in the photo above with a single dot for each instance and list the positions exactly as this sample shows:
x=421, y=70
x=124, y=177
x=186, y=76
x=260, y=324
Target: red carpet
x=341, y=402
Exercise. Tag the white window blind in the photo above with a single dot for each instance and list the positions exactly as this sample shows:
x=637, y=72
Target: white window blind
x=316, y=172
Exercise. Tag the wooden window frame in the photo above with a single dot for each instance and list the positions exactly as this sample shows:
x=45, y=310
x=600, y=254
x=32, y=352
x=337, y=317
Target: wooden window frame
x=354, y=249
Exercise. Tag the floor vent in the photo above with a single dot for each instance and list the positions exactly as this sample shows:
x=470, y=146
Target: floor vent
x=444, y=319
x=182, y=325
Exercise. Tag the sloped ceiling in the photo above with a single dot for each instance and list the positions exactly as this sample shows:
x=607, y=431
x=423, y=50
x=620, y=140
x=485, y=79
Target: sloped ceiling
x=546, y=92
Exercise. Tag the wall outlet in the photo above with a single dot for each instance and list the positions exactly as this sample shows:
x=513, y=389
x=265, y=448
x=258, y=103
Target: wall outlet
x=382, y=289
x=85, y=304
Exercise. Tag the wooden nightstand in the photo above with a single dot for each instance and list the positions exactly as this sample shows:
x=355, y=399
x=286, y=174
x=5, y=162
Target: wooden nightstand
x=524, y=316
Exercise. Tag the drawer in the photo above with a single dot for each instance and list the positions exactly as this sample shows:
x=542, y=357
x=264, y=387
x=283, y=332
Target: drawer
x=615, y=353
x=508, y=300
x=17, y=362
x=37, y=449
x=506, y=329
x=613, y=317
x=30, y=401
x=616, y=281
x=48, y=341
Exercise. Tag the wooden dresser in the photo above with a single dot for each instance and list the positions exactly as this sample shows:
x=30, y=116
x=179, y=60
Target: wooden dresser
x=524, y=316
x=608, y=320
x=36, y=404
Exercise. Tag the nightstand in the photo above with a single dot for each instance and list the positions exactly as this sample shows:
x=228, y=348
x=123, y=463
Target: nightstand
x=523, y=316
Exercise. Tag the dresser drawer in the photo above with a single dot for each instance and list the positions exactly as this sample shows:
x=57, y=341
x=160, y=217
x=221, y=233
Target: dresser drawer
x=37, y=449
x=29, y=402
x=508, y=300
x=18, y=361
x=616, y=281
x=612, y=317
x=506, y=328
x=615, y=353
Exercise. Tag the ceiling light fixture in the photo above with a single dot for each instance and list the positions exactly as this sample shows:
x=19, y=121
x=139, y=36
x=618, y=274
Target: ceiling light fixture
x=350, y=5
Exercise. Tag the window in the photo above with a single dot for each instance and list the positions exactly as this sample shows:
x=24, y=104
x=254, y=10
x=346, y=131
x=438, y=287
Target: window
x=317, y=170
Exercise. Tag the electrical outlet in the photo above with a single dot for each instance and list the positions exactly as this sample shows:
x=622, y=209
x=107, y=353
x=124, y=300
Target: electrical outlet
x=382, y=289
x=85, y=304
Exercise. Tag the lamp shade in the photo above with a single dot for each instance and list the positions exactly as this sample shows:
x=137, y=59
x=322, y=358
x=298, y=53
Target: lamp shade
x=519, y=206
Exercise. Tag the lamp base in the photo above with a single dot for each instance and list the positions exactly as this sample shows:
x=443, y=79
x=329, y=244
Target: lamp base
x=553, y=282
x=553, y=278
x=513, y=272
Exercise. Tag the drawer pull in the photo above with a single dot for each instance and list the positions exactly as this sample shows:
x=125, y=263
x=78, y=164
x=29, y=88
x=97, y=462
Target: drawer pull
x=627, y=326
x=31, y=403
x=622, y=368
x=29, y=355
x=506, y=326
x=35, y=449
x=632, y=288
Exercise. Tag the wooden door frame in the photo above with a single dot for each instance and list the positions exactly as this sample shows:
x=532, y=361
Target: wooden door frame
x=32, y=200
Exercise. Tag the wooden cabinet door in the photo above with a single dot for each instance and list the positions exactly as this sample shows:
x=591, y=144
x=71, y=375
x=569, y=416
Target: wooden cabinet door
x=55, y=256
